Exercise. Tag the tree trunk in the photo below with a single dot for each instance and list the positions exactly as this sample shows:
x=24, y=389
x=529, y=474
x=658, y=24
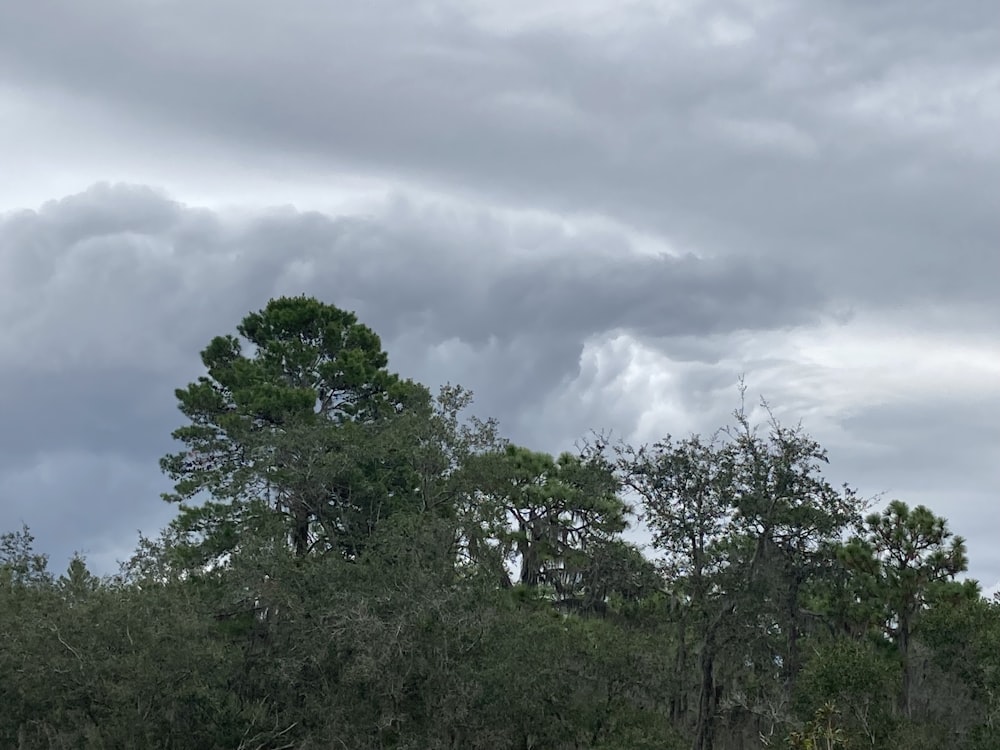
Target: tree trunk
x=705, y=731
x=300, y=528
x=678, y=701
x=904, y=653
x=791, y=663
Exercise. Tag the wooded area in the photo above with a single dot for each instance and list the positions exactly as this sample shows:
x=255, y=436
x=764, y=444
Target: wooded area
x=356, y=563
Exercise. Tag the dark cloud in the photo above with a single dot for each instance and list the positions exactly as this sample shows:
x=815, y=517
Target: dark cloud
x=84, y=500
x=921, y=451
x=858, y=136
x=118, y=409
x=111, y=294
x=593, y=214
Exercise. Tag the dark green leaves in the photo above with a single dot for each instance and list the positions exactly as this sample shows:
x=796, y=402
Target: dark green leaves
x=290, y=414
x=357, y=564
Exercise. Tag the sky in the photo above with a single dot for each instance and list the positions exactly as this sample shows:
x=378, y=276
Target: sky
x=593, y=214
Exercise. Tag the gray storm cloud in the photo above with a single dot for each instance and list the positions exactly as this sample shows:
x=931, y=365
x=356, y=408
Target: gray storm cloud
x=820, y=182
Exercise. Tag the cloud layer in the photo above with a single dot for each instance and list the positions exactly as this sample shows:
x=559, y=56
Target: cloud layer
x=593, y=215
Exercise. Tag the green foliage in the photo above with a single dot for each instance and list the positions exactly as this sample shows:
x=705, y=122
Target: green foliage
x=745, y=523
x=274, y=425
x=356, y=564
x=552, y=515
x=903, y=556
x=821, y=733
x=854, y=682
x=960, y=685
x=20, y=565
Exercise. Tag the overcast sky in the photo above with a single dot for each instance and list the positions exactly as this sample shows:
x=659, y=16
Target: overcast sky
x=594, y=214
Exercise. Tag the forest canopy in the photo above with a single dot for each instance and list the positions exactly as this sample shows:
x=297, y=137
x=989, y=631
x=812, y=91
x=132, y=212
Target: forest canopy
x=355, y=562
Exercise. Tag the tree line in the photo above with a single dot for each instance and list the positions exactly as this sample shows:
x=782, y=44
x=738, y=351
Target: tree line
x=356, y=563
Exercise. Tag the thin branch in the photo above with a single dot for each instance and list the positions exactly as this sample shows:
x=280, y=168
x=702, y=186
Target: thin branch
x=68, y=647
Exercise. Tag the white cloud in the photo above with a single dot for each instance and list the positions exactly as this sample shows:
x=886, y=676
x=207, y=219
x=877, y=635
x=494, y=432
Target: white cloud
x=957, y=105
